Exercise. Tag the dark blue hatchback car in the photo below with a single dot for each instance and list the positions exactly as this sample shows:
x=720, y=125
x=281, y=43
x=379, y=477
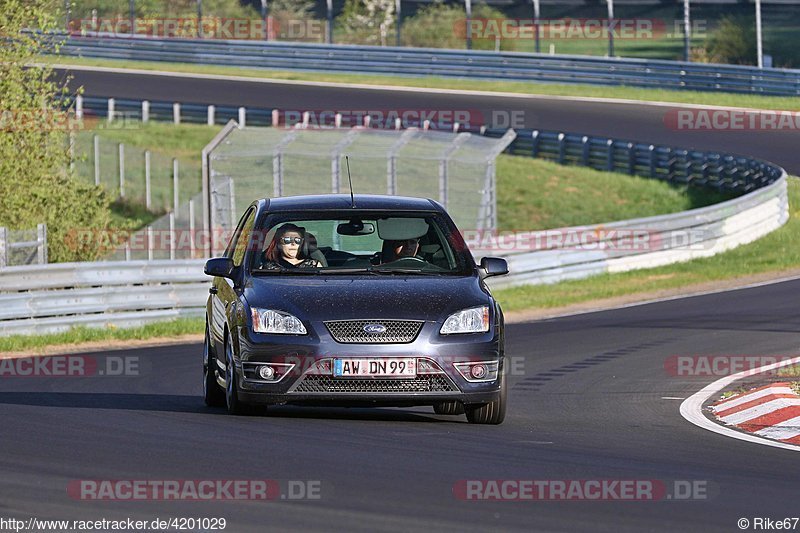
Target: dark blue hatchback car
x=369, y=301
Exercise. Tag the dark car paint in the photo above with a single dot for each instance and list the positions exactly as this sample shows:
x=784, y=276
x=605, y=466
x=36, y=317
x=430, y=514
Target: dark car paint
x=328, y=297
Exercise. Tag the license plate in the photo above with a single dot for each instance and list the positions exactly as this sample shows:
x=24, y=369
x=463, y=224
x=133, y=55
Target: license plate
x=401, y=367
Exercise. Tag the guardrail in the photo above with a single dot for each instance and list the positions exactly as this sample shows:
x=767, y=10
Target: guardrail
x=513, y=66
x=52, y=298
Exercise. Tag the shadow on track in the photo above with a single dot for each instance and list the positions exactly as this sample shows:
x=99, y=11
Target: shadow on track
x=194, y=404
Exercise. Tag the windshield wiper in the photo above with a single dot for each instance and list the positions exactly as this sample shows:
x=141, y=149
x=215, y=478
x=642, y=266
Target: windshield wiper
x=284, y=270
x=416, y=271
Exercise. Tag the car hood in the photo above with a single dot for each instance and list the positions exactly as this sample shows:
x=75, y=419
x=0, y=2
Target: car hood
x=314, y=297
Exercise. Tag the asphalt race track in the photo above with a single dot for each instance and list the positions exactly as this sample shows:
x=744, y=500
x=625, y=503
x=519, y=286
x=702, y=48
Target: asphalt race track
x=590, y=398
x=586, y=403
x=624, y=121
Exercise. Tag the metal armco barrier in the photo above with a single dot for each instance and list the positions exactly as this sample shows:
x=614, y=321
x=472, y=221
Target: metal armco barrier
x=52, y=298
x=513, y=66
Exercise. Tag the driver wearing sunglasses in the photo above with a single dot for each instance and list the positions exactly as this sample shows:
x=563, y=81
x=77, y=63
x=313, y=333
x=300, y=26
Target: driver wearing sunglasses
x=286, y=250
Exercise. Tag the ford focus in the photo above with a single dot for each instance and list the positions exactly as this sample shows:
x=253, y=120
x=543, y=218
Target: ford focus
x=363, y=301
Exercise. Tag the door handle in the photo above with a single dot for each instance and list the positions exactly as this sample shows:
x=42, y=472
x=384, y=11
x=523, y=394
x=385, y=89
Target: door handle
x=212, y=290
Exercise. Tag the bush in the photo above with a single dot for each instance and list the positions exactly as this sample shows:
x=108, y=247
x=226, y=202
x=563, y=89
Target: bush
x=444, y=26
x=35, y=182
x=366, y=22
x=733, y=41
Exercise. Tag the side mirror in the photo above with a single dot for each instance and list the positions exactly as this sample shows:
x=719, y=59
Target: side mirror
x=494, y=266
x=220, y=267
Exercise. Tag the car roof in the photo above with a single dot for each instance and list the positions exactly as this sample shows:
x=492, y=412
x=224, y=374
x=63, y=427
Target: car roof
x=338, y=202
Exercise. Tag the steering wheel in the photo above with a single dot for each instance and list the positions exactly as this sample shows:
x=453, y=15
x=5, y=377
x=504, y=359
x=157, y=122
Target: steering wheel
x=412, y=261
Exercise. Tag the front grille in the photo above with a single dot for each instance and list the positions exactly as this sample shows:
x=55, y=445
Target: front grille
x=426, y=383
x=352, y=331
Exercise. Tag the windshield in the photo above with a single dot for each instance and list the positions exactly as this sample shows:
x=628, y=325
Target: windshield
x=352, y=242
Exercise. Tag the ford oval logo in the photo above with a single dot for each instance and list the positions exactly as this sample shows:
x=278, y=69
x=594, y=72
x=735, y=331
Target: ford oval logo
x=374, y=329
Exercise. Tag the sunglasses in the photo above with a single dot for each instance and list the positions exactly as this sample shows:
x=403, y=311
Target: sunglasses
x=290, y=240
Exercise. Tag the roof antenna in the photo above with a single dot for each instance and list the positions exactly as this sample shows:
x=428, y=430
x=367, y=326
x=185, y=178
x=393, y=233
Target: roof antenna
x=352, y=200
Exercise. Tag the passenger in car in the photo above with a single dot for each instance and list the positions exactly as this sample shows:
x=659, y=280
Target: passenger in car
x=395, y=250
x=286, y=250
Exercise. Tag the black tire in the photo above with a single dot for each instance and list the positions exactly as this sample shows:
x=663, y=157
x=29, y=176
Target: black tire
x=235, y=406
x=453, y=407
x=213, y=394
x=489, y=413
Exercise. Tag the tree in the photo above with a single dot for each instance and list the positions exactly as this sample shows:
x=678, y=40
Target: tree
x=366, y=21
x=35, y=182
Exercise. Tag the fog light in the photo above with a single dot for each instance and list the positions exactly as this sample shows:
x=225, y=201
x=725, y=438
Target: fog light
x=479, y=371
x=266, y=372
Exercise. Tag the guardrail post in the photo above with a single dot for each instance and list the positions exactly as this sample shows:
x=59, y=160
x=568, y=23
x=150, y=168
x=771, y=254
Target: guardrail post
x=398, y=124
x=276, y=118
x=79, y=107
x=561, y=148
x=631, y=159
x=367, y=121
x=585, y=146
x=3, y=247
x=110, y=112
x=455, y=127
x=306, y=118
x=610, y=156
x=175, y=183
x=41, y=238
x=172, y=236
x=96, y=141
x=148, y=195
x=176, y=113
x=534, y=143
x=210, y=119
x=145, y=111
x=242, y=117
x=337, y=120
x=128, y=251
x=149, y=243
x=653, y=161
x=121, y=170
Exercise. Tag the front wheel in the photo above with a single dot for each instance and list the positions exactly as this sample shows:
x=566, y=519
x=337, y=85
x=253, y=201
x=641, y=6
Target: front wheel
x=213, y=394
x=493, y=412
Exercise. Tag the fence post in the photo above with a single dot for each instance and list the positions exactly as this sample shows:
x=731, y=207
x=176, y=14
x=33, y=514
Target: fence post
x=172, y=236
x=72, y=150
x=149, y=243
x=242, y=118
x=145, y=111
x=121, y=170
x=79, y=107
x=175, y=195
x=192, y=229
x=610, y=156
x=96, y=160
x=41, y=249
x=110, y=113
x=561, y=148
x=3, y=247
x=148, y=195
x=210, y=120
x=176, y=113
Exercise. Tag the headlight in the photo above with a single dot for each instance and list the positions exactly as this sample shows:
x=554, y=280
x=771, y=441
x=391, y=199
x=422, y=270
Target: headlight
x=473, y=320
x=269, y=321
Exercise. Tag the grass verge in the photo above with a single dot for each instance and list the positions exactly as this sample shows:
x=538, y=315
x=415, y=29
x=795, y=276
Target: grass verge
x=81, y=335
x=775, y=252
x=789, y=371
x=432, y=82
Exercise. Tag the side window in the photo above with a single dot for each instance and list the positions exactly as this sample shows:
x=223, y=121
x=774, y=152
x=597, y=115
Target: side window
x=243, y=239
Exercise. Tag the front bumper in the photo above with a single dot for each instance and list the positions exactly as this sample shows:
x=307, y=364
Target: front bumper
x=310, y=380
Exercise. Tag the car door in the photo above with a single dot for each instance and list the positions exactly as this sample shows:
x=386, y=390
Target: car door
x=223, y=292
